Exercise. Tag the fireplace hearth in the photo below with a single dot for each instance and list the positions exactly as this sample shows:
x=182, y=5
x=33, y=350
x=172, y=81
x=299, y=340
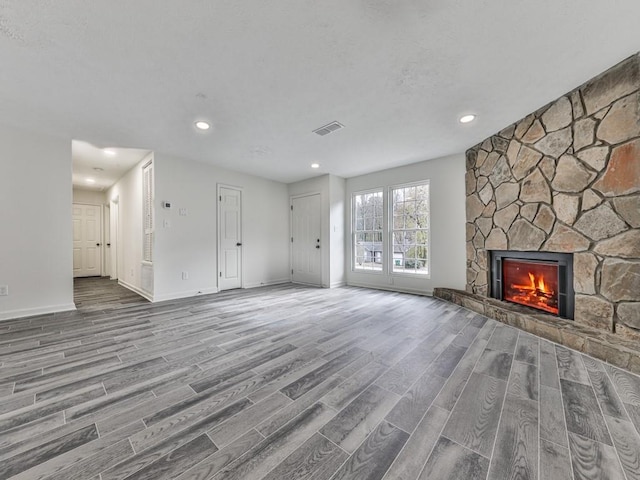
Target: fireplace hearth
x=540, y=280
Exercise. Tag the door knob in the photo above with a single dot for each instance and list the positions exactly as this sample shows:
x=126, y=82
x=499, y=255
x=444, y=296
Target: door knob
x=97, y=244
x=317, y=246
x=238, y=244
x=108, y=244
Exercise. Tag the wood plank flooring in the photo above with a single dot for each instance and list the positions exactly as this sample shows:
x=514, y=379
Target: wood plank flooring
x=289, y=382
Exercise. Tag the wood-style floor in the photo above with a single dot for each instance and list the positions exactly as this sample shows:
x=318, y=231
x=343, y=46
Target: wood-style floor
x=288, y=382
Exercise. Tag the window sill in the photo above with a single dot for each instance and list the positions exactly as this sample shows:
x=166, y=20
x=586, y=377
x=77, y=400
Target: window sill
x=426, y=276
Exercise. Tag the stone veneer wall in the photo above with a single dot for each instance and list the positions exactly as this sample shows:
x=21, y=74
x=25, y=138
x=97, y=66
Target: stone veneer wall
x=567, y=179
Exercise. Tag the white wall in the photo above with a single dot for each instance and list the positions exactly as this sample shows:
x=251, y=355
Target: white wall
x=448, y=255
x=189, y=243
x=91, y=197
x=131, y=272
x=35, y=223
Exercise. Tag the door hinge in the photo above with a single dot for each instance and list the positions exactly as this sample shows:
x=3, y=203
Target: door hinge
x=220, y=197
x=292, y=208
x=292, y=271
x=291, y=239
x=220, y=274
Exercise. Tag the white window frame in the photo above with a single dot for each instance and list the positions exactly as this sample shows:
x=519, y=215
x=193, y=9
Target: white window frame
x=148, y=223
x=354, y=231
x=390, y=230
x=387, y=230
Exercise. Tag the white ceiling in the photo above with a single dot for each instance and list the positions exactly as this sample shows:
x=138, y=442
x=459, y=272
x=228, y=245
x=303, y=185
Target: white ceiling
x=396, y=73
x=94, y=163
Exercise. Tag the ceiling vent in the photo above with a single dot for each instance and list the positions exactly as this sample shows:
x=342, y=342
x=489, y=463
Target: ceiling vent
x=329, y=128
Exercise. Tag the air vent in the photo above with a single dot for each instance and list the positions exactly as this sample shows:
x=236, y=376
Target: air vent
x=329, y=128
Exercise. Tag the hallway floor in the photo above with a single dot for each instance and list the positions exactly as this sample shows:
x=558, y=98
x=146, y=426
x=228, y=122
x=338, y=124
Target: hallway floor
x=90, y=293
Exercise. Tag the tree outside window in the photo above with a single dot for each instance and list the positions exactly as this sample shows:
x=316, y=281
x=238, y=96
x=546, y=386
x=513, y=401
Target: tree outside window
x=368, y=231
x=410, y=229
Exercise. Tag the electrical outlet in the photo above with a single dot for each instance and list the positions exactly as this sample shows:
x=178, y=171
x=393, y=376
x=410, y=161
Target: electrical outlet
x=185, y=275
x=183, y=212
x=4, y=290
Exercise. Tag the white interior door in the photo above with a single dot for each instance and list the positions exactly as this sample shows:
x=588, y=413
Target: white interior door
x=305, y=244
x=87, y=240
x=230, y=238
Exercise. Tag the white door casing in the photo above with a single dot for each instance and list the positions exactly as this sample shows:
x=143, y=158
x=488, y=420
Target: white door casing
x=114, y=237
x=87, y=240
x=306, y=257
x=106, y=270
x=229, y=237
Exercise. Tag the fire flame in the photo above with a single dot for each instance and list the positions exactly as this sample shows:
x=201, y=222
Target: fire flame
x=536, y=293
x=541, y=286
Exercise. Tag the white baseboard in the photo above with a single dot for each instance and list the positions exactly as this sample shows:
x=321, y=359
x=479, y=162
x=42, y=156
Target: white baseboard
x=185, y=294
x=337, y=284
x=207, y=291
x=392, y=288
x=137, y=290
x=30, y=312
x=267, y=283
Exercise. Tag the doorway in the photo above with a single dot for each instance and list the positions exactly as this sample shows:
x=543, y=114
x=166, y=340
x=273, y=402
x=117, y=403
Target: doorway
x=306, y=258
x=229, y=237
x=87, y=240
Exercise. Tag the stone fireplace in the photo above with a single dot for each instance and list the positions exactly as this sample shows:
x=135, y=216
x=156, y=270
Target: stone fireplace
x=566, y=179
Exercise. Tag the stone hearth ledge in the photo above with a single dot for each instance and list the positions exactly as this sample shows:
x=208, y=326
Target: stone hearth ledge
x=602, y=345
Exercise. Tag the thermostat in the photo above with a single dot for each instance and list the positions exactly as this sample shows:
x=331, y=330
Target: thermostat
x=166, y=205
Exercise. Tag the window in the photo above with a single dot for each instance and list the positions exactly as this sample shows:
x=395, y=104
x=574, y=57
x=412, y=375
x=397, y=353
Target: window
x=147, y=212
x=410, y=228
x=397, y=243
x=368, y=231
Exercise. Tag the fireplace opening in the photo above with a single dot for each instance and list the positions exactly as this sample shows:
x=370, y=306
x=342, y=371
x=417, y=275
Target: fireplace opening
x=540, y=280
x=534, y=284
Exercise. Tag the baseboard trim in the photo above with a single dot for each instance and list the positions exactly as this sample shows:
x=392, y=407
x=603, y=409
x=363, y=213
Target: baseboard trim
x=268, y=283
x=137, y=290
x=32, y=312
x=208, y=291
x=391, y=288
x=337, y=284
x=189, y=293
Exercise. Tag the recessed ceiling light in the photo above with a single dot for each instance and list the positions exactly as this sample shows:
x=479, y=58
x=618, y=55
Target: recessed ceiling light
x=315, y=165
x=109, y=152
x=90, y=180
x=98, y=169
x=467, y=118
x=201, y=125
